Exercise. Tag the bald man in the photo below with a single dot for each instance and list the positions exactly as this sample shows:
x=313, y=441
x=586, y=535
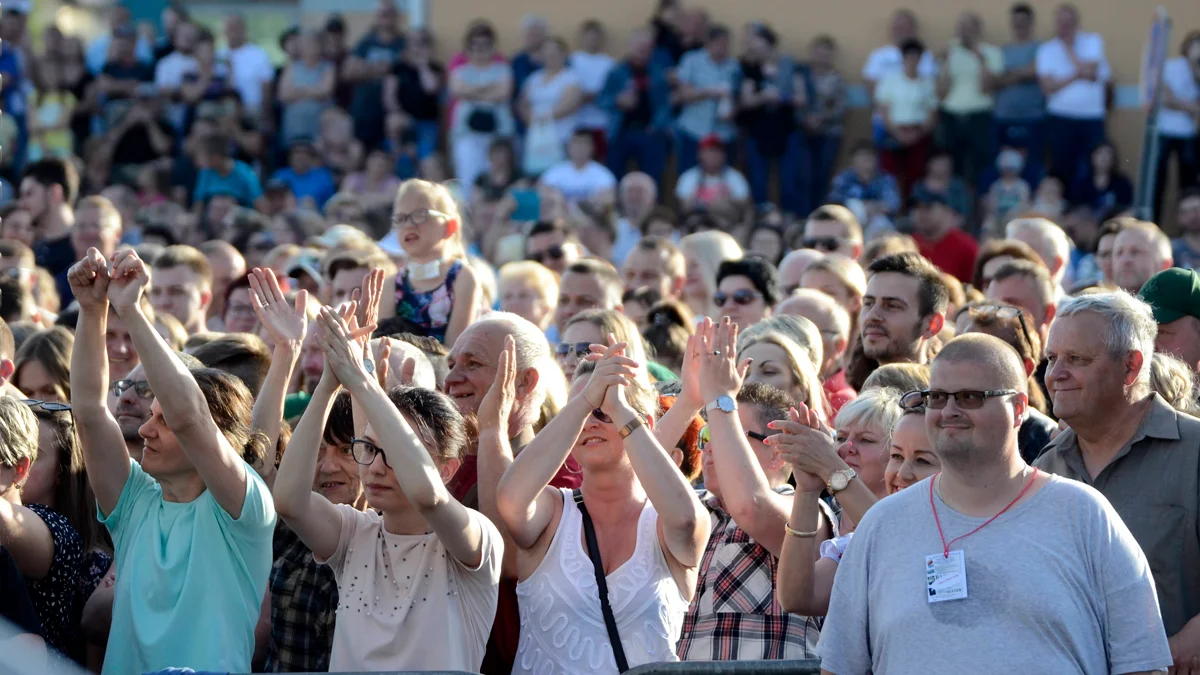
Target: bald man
x=1098, y=614
x=792, y=267
x=227, y=265
x=832, y=320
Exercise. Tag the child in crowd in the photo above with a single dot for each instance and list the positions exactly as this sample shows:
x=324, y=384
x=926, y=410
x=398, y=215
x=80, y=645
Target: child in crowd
x=153, y=182
x=1007, y=194
x=437, y=290
x=1050, y=199
x=50, y=119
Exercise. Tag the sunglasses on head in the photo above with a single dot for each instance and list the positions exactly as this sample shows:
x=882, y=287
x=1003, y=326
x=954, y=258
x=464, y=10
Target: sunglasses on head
x=48, y=406
x=937, y=400
x=705, y=437
x=1005, y=312
x=827, y=244
x=579, y=349
x=742, y=297
x=554, y=252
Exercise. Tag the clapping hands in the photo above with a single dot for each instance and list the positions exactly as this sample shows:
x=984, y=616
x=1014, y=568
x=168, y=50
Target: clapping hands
x=614, y=371
x=807, y=444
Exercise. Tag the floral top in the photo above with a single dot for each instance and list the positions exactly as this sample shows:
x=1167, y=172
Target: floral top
x=55, y=596
x=430, y=310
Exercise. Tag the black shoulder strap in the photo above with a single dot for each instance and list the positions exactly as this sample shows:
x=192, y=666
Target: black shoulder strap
x=593, y=549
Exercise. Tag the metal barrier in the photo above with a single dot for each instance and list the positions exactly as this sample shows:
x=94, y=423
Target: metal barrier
x=805, y=667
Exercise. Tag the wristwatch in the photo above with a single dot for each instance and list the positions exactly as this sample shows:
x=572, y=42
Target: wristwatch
x=840, y=480
x=723, y=404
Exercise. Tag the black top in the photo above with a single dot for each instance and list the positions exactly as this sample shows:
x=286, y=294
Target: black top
x=55, y=596
x=770, y=124
x=412, y=97
x=15, y=605
x=138, y=72
x=641, y=115
x=1034, y=435
x=668, y=39
x=134, y=145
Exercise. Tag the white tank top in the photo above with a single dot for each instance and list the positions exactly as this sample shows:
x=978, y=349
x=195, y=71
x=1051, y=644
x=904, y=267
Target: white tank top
x=562, y=627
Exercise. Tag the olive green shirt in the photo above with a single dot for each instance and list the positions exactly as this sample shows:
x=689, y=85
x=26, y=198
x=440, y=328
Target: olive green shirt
x=1154, y=484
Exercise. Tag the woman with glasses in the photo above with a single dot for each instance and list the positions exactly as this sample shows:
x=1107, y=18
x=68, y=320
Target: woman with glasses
x=747, y=290
x=850, y=464
x=42, y=366
x=47, y=549
x=592, y=327
x=417, y=573
x=633, y=499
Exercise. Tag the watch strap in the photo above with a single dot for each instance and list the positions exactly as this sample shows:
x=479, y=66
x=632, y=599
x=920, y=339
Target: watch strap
x=633, y=426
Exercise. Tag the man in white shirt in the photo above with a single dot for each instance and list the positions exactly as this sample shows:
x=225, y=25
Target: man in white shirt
x=888, y=59
x=580, y=178
x=174, y=67
x=1073, y=72
x=249, y=66
x=592, y=66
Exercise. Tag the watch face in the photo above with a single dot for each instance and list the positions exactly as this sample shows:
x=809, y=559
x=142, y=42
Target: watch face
x=726, y=403
x=838, y=481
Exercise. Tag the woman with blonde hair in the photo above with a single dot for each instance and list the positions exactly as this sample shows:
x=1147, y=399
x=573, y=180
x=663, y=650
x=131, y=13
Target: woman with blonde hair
x=778, y=360
x=42, y=366
x=840, y=278
x=797, y=328
x=903, y=377
x=529, y=290
x=703, y=253
x=1173, y=380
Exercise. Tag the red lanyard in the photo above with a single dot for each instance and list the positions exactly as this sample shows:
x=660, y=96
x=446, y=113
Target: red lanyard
x=945, y=546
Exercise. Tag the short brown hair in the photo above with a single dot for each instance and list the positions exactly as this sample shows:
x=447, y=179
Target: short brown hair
x=180, y=255
x=888, y=244
x=242, y=355
x=675, y=264
x=1035, y=272
x=996, y=248
x=609, y=278
x=840, y=214
x=110, y=217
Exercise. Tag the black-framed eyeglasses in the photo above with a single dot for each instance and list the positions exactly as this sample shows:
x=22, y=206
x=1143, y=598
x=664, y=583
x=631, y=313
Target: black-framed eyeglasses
x=140, y=387
x=555, y=252
x=740, y=297
x=417, y=217
x=579, y=349
x=48, y=406
x=705, y=437
x=1006, y=312
x=967, y=400
x=827, y=244
x=364, y=452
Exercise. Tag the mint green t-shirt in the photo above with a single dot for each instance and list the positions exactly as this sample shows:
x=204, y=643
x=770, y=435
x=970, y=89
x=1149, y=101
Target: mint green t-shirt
x=190, y=578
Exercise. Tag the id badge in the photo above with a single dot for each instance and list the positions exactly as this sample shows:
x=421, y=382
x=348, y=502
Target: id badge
x=945, y=577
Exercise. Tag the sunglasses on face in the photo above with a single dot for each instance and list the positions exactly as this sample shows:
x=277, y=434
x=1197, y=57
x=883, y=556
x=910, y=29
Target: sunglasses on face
x=705, y=437
x=141, y=388
x=579, y=349
x=742, y=298
x=48, y=406
x=937, y=400
x=827, y=244
x=364, y=452
x=554, y=252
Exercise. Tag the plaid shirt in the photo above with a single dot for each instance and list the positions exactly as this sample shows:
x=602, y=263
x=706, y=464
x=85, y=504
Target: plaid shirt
x=734, y=616
x=304, y=602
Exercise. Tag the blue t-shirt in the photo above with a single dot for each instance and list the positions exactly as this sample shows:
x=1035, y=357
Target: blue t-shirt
x=242, y=184
x=190, y=578
x=1024, y=100
x=317, y=183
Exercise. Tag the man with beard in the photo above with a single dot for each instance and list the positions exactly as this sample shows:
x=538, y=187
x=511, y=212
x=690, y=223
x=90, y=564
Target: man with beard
x=935, y=570
x=48, y=190
x=903, y=309
x=539, y=392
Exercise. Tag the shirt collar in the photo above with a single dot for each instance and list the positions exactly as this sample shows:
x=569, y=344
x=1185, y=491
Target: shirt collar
x=1160, y=421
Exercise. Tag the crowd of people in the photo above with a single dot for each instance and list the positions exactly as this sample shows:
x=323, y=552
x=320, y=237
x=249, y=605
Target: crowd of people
x=608, y=431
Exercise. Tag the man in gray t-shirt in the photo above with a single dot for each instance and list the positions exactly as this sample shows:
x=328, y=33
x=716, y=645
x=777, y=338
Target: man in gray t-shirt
x=990, y=566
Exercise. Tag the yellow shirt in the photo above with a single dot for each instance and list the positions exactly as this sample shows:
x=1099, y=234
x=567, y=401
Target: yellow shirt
x=966, y=70
x=53, y=110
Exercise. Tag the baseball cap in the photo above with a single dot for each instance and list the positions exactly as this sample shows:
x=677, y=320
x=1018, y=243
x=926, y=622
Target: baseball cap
x=711, y=141
x=1173, y=294
x=307, y=261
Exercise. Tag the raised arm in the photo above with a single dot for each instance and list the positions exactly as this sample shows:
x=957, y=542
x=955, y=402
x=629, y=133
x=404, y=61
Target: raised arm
x=495, y=451
x=683, y=521
x=419, y=477
x=745, y=490
x=466, y=303
x=312, y=517
x=104, y=451
x=183, y=405
x=674, y=423
x=525, y=503
x=286, y=327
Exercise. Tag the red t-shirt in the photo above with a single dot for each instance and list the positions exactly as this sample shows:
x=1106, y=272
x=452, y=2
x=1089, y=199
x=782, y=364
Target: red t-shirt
x=954, y=253
x=506, y=630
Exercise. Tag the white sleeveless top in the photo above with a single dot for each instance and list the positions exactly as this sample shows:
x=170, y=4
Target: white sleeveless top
x=562, y=627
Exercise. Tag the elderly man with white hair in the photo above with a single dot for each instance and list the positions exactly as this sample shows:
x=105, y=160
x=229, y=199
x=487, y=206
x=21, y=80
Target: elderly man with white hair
x=1131, y=445
x=637, y=193
x=540, y=390
x=834, y=324
x=1050, y=241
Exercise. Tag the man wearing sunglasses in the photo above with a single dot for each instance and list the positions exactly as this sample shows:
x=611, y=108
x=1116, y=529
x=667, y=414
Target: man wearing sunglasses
x=1131, y=445
x=834, y=229
x=549, y=242
x=936, y=571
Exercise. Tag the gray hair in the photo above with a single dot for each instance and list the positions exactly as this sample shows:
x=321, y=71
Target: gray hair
x=424, y=375
x=1131, y=325
x=1053, y=241
x=533, y=351
x=18, y=432
x=878, y=409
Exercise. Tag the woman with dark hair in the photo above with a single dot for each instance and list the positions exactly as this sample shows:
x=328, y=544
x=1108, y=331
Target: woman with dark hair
x=669, y=324
x=1103, y=185
x=417, y=574
x=42, y=366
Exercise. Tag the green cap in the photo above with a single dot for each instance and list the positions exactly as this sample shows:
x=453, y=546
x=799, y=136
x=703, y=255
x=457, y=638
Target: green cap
x=1173, y=294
